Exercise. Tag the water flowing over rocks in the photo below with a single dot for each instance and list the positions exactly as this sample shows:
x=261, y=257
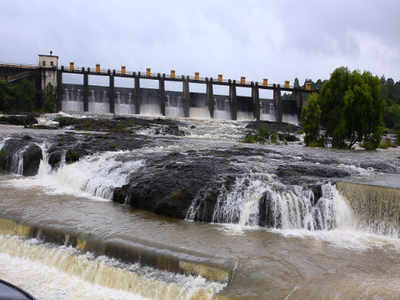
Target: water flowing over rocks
x=168, y=184
x=273, y=220
x=20, y=156
x=183, y=175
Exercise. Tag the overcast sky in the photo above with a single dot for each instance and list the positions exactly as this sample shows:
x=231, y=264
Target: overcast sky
x=279, y=40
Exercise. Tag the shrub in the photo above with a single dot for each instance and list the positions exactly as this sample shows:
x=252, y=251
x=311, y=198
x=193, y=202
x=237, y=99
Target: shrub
x=250, y=138
x=274, y=137
x=71, y=157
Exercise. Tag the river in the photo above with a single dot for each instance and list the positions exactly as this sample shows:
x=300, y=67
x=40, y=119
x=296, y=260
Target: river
x=290, y=261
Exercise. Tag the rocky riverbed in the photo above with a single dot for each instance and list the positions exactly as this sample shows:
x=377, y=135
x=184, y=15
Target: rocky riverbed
x=198, y=170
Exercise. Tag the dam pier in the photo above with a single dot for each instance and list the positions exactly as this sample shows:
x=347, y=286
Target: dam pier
x=160, y=101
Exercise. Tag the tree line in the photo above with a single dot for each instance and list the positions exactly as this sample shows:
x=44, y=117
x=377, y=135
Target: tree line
x=389, y=91
x=351, y=107
x=24, y=97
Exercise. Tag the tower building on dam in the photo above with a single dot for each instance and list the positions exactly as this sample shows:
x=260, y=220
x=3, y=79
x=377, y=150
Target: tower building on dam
x=160, y=101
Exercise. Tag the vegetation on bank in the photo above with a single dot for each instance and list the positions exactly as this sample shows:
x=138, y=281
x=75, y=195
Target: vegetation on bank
x=262, y=136
x=389, y=91
x=349, y=109
x=23, y=97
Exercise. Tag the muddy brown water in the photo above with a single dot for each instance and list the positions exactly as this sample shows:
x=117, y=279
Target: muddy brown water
x=292, y=264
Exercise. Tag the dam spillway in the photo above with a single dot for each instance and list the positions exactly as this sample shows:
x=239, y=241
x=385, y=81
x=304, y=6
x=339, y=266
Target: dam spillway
x=65, y=214
x=174, y=106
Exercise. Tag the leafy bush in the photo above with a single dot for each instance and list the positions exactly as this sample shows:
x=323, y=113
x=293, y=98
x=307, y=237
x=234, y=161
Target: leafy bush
x=349, y=108
x=71, y=156
x=262, y=135
x=250, y=139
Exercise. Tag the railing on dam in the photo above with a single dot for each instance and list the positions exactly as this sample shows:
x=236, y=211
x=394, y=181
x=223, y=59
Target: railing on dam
x=139, y=97
x=172, y=76
x=188, y=101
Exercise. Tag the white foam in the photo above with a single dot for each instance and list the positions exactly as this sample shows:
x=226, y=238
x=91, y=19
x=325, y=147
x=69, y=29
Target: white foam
x=358, y=170
x=94, y=176
x=50, y=272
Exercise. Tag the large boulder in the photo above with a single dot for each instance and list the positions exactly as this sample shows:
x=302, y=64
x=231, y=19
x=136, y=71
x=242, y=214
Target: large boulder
x=21, y=156
x=170, y=184
x=313, y=170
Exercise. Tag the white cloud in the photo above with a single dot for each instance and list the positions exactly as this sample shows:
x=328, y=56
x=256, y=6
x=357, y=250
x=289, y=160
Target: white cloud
x=278, y=40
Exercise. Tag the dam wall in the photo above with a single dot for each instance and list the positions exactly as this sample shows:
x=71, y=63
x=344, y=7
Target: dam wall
x=174, y=104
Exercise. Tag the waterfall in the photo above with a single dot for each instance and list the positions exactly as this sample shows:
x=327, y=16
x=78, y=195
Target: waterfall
x=93, y=176
x=240, y=205
x=264, y=201
x=17, y=161
x=53, y=272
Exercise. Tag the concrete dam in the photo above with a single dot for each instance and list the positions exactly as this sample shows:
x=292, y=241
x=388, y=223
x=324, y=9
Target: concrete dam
x=160, y=101
x=173, y=104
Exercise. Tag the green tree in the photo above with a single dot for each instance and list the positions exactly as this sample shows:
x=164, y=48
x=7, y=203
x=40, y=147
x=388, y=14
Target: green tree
x=351, y=110
x=23, y=96
x=311, y=118
x=49, y=99
x=392, y=115
x=5, y=94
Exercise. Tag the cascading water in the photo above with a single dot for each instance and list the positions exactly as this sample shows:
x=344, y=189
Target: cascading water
x=17, y=163
x=65, y=272
x=262, y=200
x=94, y=176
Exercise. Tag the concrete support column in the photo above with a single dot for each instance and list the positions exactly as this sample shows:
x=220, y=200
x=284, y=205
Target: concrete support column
x=210, y=97
x=186, y=97
x=137, y=94
x=277, y=103
x=112, y=95
x=299, y=103
x=161, y=84
x=256, y=100
x=59, y=91
x=233, y=99
x=85, y=92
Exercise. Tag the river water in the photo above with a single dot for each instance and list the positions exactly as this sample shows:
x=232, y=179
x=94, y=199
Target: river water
x=291, y=261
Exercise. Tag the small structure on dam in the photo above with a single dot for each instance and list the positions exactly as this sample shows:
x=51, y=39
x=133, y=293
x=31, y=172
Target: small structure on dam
x=159, y=101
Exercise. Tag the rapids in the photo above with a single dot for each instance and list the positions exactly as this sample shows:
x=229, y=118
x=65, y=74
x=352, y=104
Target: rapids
x=277, y=237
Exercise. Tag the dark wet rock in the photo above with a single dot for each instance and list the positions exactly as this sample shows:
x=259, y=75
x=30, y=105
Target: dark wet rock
x=25, y=120
x=122, y=125
x=55, y=159
x=16, y=149
x=317, y=192
x=285, y=171
x=169, y=130
x=239, y=151
x=32, y=157
x=288, y=137
x=75, y=146
x=380, y=167
x=169, y=184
